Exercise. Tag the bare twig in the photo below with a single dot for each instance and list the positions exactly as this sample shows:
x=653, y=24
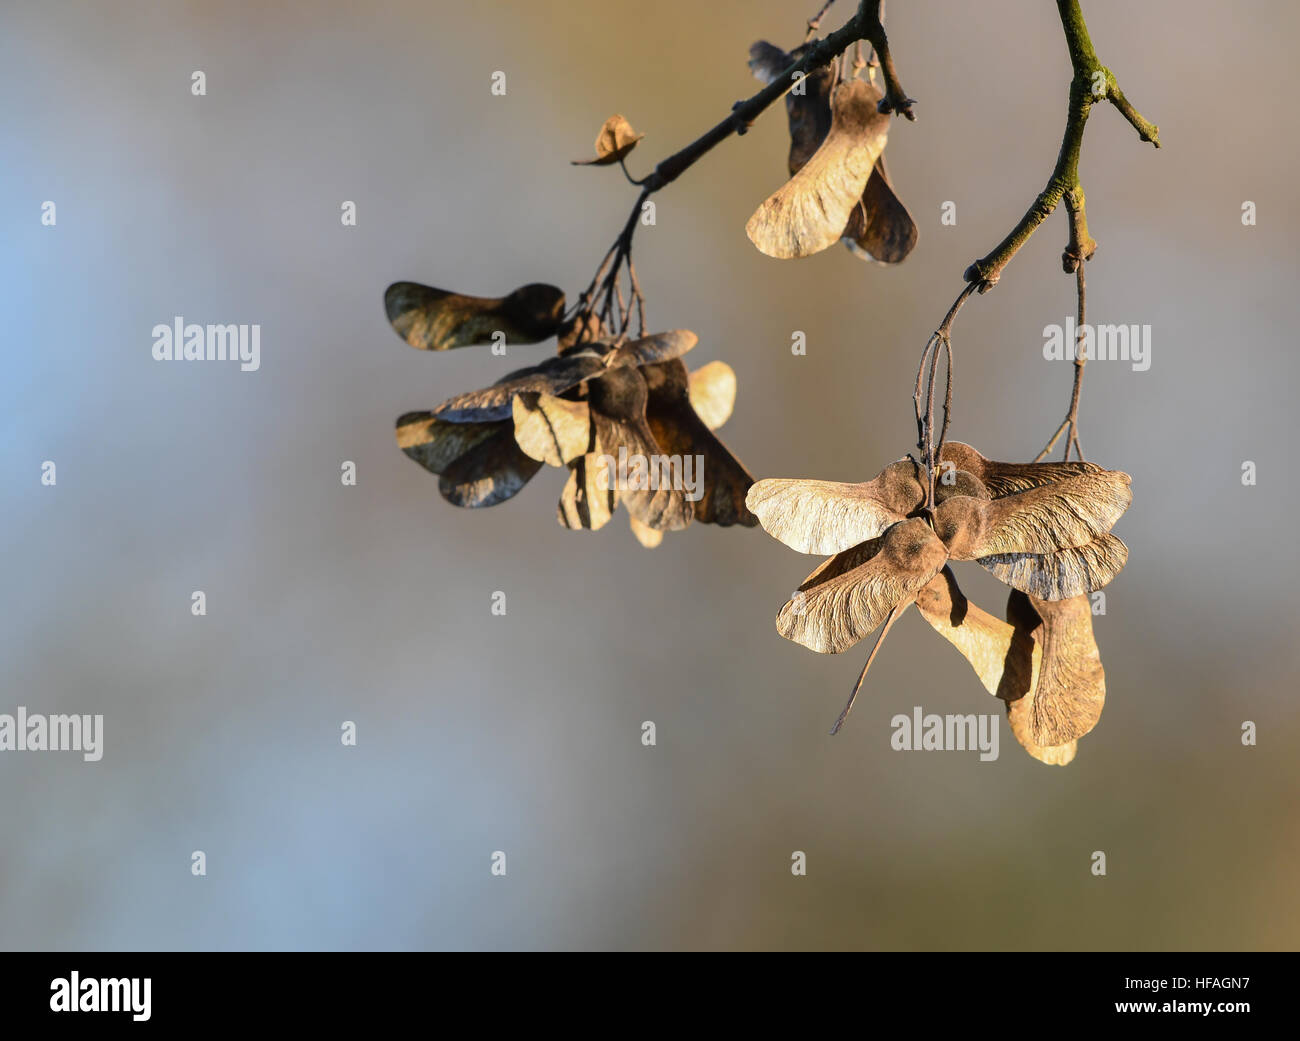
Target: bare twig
x=1092, y=82
x=815, y=22
x=941, y=337
x=1071, y=421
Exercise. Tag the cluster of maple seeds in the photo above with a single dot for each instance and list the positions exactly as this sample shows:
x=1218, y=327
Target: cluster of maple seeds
x=596, y=399
x=1043, y=529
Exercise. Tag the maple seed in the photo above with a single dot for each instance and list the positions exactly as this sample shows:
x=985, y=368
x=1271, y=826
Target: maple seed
x=878, y=227
x=438, y=320
x=810, y=212
x=478, y=464
x=1040, y=527
x=615, y=140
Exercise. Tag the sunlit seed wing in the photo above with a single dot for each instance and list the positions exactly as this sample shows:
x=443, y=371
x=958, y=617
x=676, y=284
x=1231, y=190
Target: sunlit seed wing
x=550, y=429
x=830, y=517
x=436, y=444
x=588, y=500
x=1063, y=574
x=851, y=594
x=438, y=320
x=712, y=391
x=489, y=473
x=811, y=211
x=1005, y=661
x=1018, y=713
x=648, y=537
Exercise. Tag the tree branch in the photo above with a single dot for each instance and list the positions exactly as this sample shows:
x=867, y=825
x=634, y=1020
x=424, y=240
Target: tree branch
x=864, y=25
x=1092, y=82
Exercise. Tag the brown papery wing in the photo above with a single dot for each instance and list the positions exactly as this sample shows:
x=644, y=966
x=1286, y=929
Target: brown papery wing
x=1008, y=478
x=649, y=350
x=553, y=376
x=588, y=500
x=880, y=228
x=720, y=478
x=550, y=429
x=1063, y=574
x=830, y=517
x=439, y=320
x=812, y=209
x=653, y=489
x=435, y=444
x=1071, y=689
x=1063, y=515
x=1005, y=662
x=489, y=473
x=849, y=596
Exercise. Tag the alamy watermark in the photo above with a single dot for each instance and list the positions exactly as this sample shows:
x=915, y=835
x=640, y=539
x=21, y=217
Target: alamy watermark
x=34, y=732
x=1130, y=343
x=192, y=342
x=638, y=472
x=71, y=993
x=953, y=733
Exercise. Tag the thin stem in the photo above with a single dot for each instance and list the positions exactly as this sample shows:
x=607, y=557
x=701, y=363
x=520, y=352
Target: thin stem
x=1071, y=421
x=941, y=337
x=815, y=22
x=893, y=616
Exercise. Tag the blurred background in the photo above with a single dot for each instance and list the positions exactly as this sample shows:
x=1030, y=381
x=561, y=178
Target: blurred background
x=522, y=733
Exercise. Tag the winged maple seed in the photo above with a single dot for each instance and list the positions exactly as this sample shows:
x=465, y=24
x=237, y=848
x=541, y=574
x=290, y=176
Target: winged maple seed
x=1041, y=528
x=839, y=187
x=596, y=400
x=438, y=320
